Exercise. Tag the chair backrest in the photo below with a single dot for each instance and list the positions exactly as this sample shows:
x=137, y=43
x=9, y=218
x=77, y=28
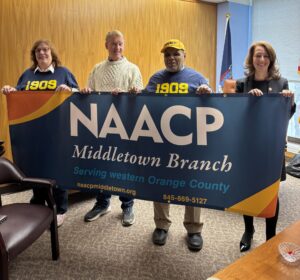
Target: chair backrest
x=9, y=172
x=24, y=222
x=2, y=151
x=229, y=86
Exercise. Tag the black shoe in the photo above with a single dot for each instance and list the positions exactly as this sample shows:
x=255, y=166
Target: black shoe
x=246, y=240
x=194, y=241
x=96, y=212
x=159, y=236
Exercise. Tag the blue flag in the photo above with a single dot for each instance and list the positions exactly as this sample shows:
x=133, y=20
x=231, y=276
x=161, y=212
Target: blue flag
x=226, y=69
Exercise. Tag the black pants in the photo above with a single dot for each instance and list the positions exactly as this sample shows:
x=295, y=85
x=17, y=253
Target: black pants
x=270, y=223
x=60, y=197
x=103, y=200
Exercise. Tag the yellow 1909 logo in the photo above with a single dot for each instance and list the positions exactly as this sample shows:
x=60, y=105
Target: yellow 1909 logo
x=41, y=85
x=182, y=88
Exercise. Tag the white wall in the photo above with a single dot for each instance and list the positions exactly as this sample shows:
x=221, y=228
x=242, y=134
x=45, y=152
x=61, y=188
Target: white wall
x=278, y=22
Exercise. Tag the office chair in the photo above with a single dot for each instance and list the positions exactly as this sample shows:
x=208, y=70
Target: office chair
x=1, y=148
x=23, y=223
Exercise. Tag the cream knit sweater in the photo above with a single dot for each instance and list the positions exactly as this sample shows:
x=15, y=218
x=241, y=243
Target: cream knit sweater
x=110, y=75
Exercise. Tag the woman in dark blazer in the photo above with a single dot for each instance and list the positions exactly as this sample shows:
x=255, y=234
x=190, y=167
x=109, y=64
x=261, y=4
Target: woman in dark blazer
x=262, y=77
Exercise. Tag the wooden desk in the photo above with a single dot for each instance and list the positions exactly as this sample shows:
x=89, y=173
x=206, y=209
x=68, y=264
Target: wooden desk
x=265, y=261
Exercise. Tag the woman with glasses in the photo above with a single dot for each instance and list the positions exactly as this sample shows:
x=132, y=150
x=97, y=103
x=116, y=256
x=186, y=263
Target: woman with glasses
x=263, y=77
x=46, y=74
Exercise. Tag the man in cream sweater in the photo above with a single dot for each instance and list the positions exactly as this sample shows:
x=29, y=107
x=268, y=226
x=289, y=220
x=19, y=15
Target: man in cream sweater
x=115, y=74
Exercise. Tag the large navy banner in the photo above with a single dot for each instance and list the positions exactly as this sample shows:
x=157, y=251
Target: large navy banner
x=215, y=151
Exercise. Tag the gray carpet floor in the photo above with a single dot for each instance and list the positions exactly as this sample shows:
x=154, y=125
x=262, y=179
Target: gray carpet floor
x=104, y=249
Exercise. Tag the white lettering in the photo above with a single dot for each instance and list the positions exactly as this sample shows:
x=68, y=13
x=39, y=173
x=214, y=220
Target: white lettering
x=113, y=115
x=145, y=117
x=166, y=129
x=113, y=125
x=203, y=127
x=76, y=115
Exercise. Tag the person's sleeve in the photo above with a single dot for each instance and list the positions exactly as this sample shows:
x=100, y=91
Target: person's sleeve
x=285, y=84
x=203, y=81
x=151, y=86
x=21, y=83
x=293, y=108
x=137, y=80
x=71, y=82
x=91, y=80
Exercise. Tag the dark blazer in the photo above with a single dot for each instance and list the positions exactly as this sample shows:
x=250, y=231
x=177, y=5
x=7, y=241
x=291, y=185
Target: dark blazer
x=275, y=86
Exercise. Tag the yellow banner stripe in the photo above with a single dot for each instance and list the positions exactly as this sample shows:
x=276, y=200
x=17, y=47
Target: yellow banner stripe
x=256, y=203
x=53, y=102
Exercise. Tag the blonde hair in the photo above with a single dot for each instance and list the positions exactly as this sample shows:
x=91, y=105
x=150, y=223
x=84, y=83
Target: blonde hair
x=114, y=33
x=273, y=70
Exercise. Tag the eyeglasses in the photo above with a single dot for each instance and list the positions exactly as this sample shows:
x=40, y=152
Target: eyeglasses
x=38, y=50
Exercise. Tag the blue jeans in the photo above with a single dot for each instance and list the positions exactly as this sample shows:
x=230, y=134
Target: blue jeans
x=60, y=197
x=103, y=200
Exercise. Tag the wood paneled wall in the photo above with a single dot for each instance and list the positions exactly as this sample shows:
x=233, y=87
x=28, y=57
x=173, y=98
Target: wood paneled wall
x=78, y=28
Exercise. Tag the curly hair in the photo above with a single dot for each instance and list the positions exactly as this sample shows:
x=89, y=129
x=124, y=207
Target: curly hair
x=55, y=60
x=273, y=70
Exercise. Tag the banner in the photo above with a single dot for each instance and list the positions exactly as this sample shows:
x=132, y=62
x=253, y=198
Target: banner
x=226, y=68
x=214, y=151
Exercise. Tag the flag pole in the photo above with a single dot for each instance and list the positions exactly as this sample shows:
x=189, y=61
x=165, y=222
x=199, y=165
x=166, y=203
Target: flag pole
x=226, y=67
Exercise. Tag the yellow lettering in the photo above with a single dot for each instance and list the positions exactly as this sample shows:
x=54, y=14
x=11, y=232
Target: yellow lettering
x=164, y=88
x=34, y=85
x=52, y=84
x=43, y=85
x=173, y=88
x=157, y=88
x=183, y=88
x=27, y=86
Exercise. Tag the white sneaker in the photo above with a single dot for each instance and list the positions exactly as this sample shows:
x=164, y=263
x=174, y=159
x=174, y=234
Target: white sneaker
x=60, y=219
